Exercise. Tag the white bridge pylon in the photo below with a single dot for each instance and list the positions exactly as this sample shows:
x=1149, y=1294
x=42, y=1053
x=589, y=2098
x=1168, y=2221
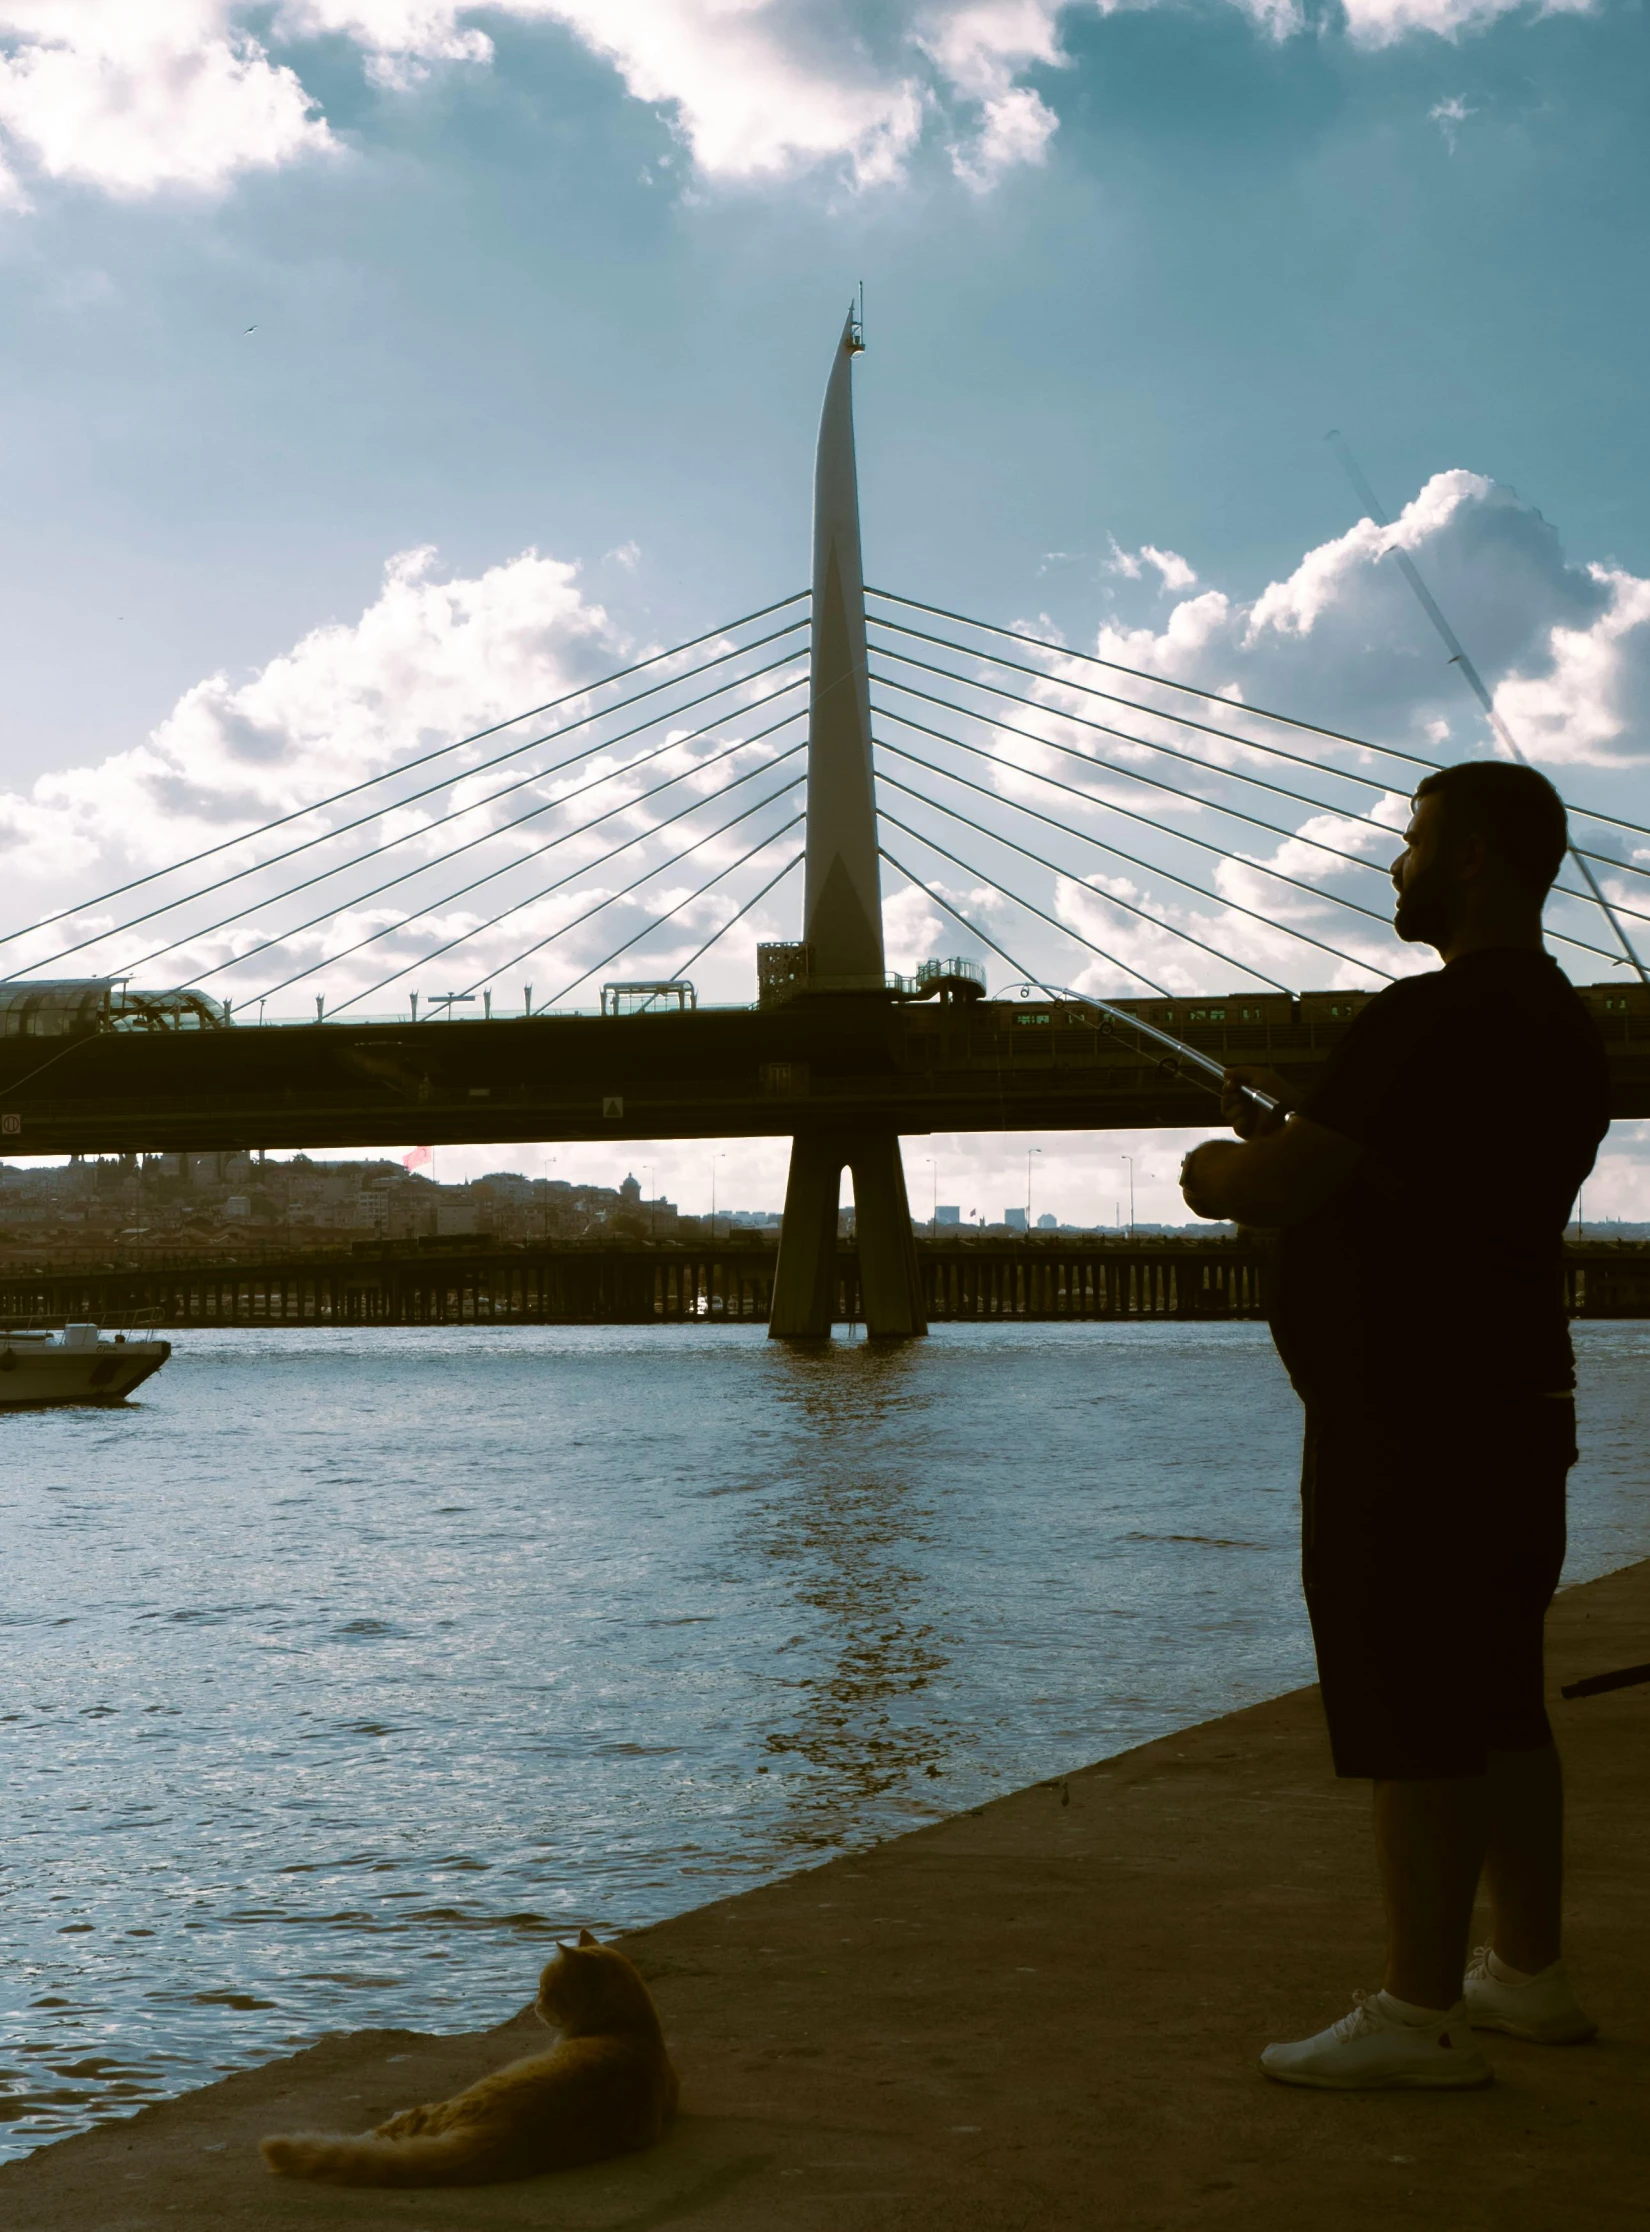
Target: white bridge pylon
x=842, y=921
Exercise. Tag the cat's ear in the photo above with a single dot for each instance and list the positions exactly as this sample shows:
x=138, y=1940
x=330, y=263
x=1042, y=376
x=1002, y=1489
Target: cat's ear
x=585, y=1938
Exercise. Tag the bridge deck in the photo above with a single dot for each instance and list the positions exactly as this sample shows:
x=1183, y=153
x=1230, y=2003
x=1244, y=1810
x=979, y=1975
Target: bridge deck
x=815, y=1062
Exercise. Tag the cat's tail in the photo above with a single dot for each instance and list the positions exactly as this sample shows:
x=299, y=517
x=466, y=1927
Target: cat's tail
x=462, y=2157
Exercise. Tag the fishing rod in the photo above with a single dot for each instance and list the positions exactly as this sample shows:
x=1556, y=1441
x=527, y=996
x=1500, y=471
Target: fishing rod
x=1212, y=1073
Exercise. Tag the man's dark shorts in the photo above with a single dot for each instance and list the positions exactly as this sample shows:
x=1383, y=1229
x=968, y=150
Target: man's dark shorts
x=1431, y=1550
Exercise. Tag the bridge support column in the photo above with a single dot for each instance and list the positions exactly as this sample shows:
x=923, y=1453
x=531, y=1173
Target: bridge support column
x=804, y=1287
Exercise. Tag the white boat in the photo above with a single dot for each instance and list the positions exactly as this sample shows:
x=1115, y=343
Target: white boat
x=74, y=1366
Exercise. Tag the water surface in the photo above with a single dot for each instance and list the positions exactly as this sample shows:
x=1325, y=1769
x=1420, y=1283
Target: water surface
x=344, y=1669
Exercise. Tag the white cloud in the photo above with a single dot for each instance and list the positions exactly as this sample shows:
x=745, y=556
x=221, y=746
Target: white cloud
x=913, y=927
x=401, y=39
x=430, y=659
x=981, y=48
x=757, y=89
x=1015, y=128
x=1587, y=701
x=1173, y=572
x=1176, y=574
x=136, y=95
x=1382, y=23
x=1449, y=115
x=1341, y=640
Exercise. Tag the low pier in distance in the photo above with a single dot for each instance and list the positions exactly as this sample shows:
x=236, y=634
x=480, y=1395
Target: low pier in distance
x=1060, y=1278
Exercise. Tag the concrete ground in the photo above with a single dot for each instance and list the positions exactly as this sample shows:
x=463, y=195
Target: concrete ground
x=1044, y=2013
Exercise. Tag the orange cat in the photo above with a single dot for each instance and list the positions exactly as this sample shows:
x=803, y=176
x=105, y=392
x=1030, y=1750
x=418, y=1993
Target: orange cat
x=605, y=2088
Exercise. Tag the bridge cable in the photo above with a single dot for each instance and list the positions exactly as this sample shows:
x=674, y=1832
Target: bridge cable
x=405, y=767
x=1237, y=859
x=1092, y=759
x=754, y=900
x=1124, y=736
x=515, y=752
x=1157, y=922
x=520, y=860
x=1202, y=890
x=392, y=928
x=1562, y=937
x=1025, y=976
x=478, y=930
x=583, y=867
x=648, y=928
x=1110, y=806
x=1054, y=923
x=1194, y=798
x=1192, y=689
x=1592, y=896
x=1231, y=736
x=1135, y=674
x=1110, y=697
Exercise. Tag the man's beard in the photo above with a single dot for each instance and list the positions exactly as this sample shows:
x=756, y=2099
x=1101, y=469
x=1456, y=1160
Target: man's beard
x=1425, y=914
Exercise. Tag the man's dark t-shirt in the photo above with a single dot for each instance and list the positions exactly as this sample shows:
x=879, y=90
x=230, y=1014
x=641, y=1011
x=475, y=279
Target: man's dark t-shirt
x=1479, y=1092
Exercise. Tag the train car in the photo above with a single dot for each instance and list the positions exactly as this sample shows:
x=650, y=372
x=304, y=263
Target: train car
x=1616, y=1007
x=1325, y=1015
x=1209, y=1010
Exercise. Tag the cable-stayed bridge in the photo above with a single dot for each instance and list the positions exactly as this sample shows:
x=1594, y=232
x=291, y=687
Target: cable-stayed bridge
x=497, y=937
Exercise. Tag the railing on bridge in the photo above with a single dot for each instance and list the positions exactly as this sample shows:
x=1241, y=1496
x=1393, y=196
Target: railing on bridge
x=717, y=1283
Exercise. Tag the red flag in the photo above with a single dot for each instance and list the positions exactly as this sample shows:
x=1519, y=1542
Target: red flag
x=412, y=1160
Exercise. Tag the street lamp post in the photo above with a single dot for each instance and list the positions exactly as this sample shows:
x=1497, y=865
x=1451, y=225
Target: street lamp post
x=933, y=1199
x=714, y=1160
x=1129, y=1159
x=1030, y=1151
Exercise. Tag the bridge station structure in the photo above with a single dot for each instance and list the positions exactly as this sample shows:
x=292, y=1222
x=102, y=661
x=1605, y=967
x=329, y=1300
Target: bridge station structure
x=973, y=738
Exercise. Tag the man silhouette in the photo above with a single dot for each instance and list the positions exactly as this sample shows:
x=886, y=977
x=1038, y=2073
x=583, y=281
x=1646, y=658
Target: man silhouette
x=1421, y=1191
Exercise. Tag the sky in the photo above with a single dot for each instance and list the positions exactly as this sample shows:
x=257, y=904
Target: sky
x=375, y=369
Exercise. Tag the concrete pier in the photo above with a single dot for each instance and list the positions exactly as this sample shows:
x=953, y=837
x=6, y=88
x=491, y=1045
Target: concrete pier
x=807, y=1287
x=1043, y=2013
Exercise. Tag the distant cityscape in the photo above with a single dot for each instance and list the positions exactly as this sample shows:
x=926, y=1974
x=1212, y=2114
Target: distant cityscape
x=238, y=1203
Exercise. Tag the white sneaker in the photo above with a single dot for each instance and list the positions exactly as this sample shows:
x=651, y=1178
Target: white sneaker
x=1542, y=2007
x=1374, y=2047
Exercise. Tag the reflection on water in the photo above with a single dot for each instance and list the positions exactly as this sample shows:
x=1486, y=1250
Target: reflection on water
x=344, y=1670
x=850, y=1538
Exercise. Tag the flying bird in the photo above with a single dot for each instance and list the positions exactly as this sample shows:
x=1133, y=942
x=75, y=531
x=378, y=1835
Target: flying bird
x=250, y=329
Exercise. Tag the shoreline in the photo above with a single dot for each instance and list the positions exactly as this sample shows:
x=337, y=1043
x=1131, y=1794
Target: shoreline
x=1042, y=2011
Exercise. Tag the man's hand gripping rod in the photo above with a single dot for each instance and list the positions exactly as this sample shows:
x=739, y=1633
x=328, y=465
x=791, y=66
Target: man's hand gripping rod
x=1209, y=1069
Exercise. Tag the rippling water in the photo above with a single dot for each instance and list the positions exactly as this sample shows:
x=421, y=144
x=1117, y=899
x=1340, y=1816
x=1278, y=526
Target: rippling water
x=345, y=1668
